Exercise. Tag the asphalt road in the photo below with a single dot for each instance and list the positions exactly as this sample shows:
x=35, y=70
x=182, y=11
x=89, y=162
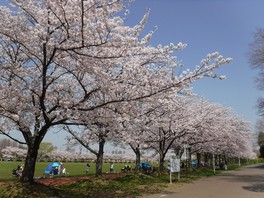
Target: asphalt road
x=246, y=182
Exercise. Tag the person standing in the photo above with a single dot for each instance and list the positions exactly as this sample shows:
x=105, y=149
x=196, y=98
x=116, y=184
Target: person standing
x=111, y=167
x=60, y=168
x=87, y=168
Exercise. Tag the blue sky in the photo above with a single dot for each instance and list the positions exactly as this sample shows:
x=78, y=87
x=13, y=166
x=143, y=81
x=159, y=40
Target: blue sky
x=226, y=26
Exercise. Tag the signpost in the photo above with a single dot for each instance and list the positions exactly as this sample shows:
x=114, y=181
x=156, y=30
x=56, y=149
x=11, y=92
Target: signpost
x=186, y=156
x=175, y=164
x=214, y=163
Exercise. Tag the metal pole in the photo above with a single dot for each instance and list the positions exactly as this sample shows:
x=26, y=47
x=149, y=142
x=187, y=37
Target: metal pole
x=214, y=163
x=170, y=178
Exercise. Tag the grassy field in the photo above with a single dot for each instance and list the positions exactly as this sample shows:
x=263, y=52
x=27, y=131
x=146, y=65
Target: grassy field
x=72, y=169
x=78, y=168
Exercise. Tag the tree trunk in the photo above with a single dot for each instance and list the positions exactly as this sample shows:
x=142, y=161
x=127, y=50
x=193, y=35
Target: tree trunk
x=99, y=159
x=198, y=155
x=137, y=152
x=206, y=158
x=219, y=159
x=161, y=162
x=138, y=155
x=225, y=160
x=189, y=159
x=30, y=164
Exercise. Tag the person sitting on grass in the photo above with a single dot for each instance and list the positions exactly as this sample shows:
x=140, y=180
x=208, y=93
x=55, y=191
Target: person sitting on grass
x=18, y=171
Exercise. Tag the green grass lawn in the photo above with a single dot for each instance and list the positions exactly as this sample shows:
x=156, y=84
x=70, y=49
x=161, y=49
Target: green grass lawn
x=72, y=169
x=78, y=169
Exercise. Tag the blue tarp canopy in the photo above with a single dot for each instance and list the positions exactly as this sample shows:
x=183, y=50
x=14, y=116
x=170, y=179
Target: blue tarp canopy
x=51, y=166
x=144, y=165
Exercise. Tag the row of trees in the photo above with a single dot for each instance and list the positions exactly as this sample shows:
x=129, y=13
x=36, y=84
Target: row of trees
x=74, y=64
x=11, y=150
x=19, y=154
x=162, y=126
x=260, y=137
x=7, y=142
x=257, y=62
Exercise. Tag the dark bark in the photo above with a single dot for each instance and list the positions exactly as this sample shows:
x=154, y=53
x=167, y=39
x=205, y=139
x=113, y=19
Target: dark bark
x=99, y=159
x=225, y=160
x=164, y=146
x=261, y=151
x=189, y=158
x=206, y=158
x=30, y=164
x=138, y=155
x=198, y=155
x=137, y=159
x=33, y=143
x=161, y=161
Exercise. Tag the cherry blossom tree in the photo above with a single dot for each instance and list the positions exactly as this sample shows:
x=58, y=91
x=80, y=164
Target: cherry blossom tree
x=257, y=62
x=158, y=122
x=238, y=139
x=170, y=122
x=209, y=121
x=7, y=142
x=57, y=155
x=59, y=57
x=192, y=121
x=133, y=130
x=222, y=133
x=98, y=133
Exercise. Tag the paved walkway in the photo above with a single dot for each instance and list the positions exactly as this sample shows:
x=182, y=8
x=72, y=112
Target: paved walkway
x=247, y=182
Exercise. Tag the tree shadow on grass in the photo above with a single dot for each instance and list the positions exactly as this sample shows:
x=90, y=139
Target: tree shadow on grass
x=17, y=190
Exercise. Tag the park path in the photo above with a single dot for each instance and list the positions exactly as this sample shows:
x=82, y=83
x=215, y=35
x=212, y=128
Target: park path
x=246, y=182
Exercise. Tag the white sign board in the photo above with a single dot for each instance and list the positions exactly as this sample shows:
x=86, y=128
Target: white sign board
x=175, y=164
